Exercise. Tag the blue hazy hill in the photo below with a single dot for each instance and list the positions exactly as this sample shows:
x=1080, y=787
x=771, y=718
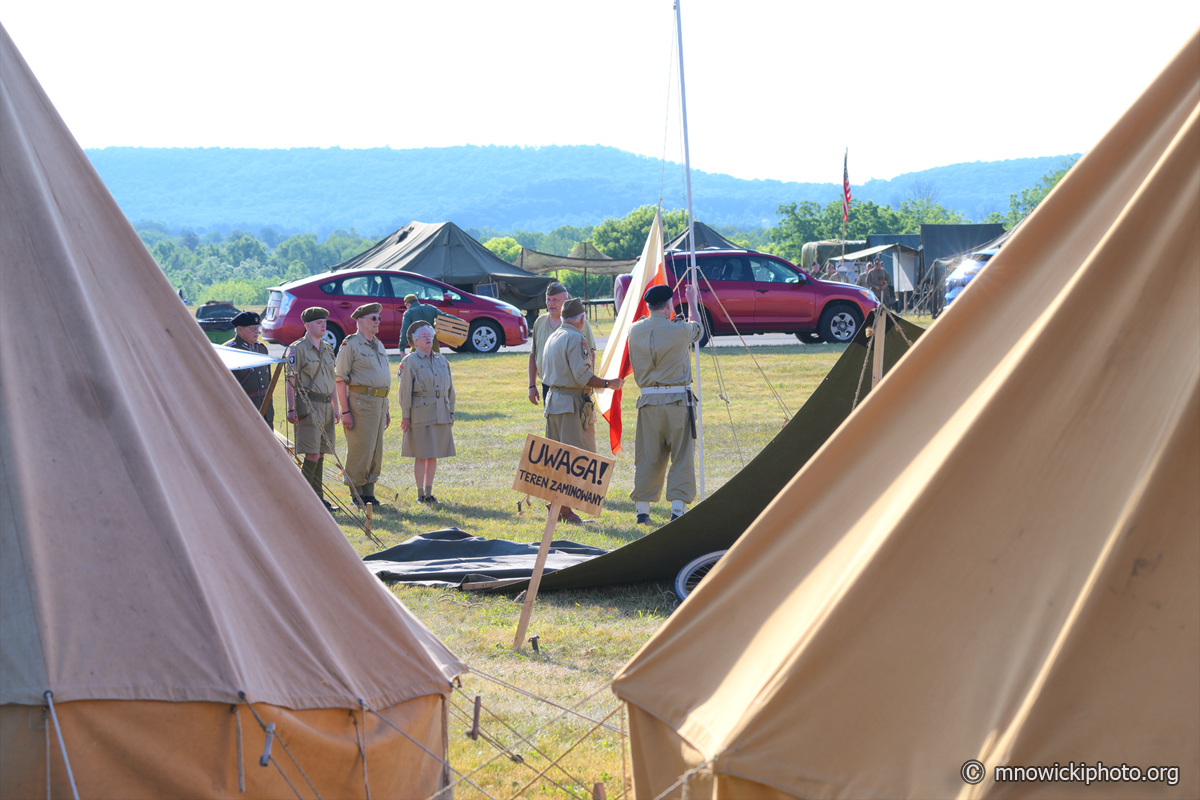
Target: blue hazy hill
x=533, y=188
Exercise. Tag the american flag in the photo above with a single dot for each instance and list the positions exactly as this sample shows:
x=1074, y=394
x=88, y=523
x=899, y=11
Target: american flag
x=846, y=187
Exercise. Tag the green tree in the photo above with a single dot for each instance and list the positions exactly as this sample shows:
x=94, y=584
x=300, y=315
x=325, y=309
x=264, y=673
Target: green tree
x=301, y=248
x=246, y=248
x=916, y=213
x=506, y=248
x=625, y=237
x=1020, y=205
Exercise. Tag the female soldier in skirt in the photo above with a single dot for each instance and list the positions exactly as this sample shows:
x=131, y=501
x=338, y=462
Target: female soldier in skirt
x=427, y=408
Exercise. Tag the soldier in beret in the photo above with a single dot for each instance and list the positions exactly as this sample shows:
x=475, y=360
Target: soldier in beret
x=539, y=333
x=363, y=381
x=311, y=401
x=419, y=312
x=666, y=428
x=256, y=380
x=570, y=376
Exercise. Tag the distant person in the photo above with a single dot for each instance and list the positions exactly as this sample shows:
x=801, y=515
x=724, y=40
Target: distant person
x=363, y=381
x=539, y=334
x=311, y=400
x=570, y=376
x=427, y=409
x=879, y=282
x=255, y=381
x=659, y=350
x=419, y=312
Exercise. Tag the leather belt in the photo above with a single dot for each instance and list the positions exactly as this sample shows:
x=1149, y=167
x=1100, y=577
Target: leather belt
x=355, y=387
x=320, y=398
x=665, y=389
x=564, y=390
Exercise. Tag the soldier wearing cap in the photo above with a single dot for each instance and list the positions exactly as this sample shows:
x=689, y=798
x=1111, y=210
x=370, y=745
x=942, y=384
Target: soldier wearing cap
x=658, y=352
x=363, y=381
x=539, y=334
x=419, y=312
x=257, y=380
x=311, y=400
x=570, y=377
x=880, y=283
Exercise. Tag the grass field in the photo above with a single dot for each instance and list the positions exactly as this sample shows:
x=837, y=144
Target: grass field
x=584, y=636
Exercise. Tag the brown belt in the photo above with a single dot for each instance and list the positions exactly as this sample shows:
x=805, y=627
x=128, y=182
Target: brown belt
x=368, y=390
x=320, y=398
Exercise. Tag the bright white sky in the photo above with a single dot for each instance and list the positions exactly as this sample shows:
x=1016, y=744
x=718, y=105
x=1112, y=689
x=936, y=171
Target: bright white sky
x=775, y=89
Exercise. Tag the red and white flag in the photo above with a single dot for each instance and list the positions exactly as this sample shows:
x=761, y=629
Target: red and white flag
x=846, y=187
x=650, y=270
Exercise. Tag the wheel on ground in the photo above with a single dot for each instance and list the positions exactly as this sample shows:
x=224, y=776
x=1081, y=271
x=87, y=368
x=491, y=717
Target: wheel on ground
x=484, y=336
x=811, y=337
x=690, y=576
x=839, y=324
x=333, y=335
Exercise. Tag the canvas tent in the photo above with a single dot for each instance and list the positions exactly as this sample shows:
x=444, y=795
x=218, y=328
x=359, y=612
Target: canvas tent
x=593, y=263
x=706, y=238
x=160, y=554
x=997, y=556
x=445, y=252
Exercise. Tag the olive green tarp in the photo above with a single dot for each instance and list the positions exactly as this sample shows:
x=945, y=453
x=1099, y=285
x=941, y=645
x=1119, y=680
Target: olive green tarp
x=717, y=522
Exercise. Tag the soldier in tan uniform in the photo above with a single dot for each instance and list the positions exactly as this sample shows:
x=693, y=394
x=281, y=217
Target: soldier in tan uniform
x=427, y=409
x=658, y=352
x=363, y=381
x=569, y=372
x=539, y=333
x=311, y=400
x=257, y=380
x=880, y=283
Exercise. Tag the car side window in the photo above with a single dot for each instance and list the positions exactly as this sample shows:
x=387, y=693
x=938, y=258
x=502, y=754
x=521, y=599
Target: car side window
x=768, y=270
x=364, y=286
x=329, y=287
x=402, y=286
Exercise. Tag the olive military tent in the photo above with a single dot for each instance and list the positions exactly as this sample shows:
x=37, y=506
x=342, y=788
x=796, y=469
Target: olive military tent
x=445, y=252
x=169, y=584
x=997, y=556
x=706, y=239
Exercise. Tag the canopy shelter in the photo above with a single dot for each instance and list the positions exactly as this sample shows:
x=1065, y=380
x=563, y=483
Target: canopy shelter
x=541, y=263
x=706, y=239
x=904, y=261
x=827, y=250
x=445, y=252
x=997, y=556
x=169, y=583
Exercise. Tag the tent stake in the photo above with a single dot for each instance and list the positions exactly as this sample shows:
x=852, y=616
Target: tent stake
x=538, y=566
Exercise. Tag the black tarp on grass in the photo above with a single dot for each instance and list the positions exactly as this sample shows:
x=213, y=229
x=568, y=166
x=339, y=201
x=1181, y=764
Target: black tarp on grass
x=717, y=522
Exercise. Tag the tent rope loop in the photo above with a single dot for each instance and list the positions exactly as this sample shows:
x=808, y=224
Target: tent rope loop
x=269, y=728
x=62, y=746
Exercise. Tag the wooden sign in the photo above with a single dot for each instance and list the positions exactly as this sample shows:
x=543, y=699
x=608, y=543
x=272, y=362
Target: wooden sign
x=564, y=475
x=451, y=332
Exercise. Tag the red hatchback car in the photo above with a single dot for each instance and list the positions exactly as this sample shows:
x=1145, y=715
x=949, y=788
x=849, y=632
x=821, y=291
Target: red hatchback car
x=494, y=324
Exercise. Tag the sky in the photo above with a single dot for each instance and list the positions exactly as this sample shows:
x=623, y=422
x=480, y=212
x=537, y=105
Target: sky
x=775, y=90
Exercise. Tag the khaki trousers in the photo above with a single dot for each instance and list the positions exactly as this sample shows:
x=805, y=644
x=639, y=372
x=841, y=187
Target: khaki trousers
x=568, y=429
x=663, y=432
x=315, y=431
x=364, y=442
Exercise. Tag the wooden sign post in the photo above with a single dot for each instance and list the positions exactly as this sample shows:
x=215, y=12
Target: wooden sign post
x=566, y=476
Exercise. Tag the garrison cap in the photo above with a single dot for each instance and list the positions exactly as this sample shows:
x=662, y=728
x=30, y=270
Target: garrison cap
x=314, y=313
x=369, y=308
x=572, y=308
x=246, y=318
x=409, y=299
x=657, y=295
x=554, y=287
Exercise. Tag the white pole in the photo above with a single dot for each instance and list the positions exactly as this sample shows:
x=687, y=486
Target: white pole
x=691, y=239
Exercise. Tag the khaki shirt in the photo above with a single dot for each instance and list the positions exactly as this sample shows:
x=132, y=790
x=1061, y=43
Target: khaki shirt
x=659, y=352
x=541, y=333
x=310, y=367
x=426, y=389
x=363, y=363
x=570, y=363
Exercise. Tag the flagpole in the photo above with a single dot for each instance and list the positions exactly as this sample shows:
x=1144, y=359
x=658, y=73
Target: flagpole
x=845, y=204
x=691, y=239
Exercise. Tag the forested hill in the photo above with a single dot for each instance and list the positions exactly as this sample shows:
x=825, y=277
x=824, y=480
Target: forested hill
x=378, y=190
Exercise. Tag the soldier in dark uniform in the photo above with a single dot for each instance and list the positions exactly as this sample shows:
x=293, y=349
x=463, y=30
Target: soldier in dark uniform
x=254, y=381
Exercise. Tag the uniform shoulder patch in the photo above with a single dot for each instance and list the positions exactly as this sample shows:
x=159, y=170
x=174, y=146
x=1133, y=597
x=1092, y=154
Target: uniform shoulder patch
x=291, y=356
x=587, y=351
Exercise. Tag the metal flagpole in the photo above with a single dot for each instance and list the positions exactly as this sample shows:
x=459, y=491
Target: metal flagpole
x=691, y=238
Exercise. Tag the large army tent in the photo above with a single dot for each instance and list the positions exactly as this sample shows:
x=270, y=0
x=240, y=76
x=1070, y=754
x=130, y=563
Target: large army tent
x=706, y=238
x=997, y=556
x=167, y=578
x=445, y=252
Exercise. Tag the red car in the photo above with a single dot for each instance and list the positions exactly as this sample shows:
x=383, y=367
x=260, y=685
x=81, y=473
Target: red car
x=494, y=324
x=760, y=293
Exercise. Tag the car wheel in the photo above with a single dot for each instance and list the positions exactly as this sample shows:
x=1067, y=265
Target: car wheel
x=690, y=576
x=333, y=335
x=839, y=324
x=811, y=337
x=484, y=336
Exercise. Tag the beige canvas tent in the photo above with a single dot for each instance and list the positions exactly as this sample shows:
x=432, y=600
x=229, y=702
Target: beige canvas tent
x=160, y=556
x=997, y=556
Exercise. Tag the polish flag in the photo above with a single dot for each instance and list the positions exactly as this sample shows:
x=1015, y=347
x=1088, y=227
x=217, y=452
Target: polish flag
x=650, y=270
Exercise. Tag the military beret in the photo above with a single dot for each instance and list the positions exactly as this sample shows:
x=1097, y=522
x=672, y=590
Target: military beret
x=410, y=298
x=572, y=308
x=657, y=295
x=555, y=288
x=314, y=313
x=246, y=318
x=369, y=308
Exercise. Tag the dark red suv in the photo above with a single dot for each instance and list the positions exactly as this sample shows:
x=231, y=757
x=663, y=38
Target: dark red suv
x=760, y=293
